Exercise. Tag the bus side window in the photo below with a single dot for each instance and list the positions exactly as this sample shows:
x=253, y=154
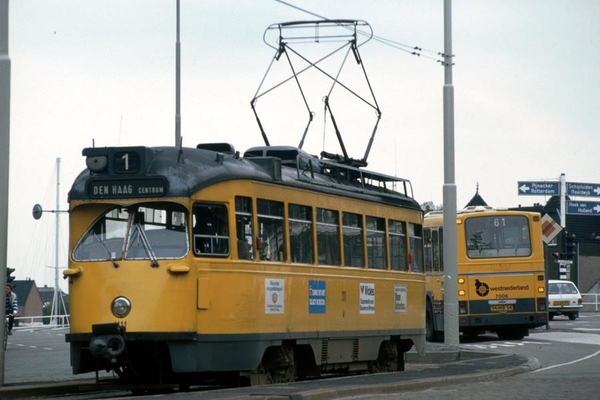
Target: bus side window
x=428, y=246
x=436, y=250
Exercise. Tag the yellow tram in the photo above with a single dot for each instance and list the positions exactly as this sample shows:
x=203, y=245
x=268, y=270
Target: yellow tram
x=271, y=266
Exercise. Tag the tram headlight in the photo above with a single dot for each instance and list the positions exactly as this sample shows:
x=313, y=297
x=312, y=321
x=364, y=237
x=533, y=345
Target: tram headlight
x=96, y=163
x=120, y=307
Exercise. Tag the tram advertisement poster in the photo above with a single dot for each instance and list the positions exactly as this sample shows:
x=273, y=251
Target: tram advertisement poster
x=367, y=298
x=274, y=296
x=316, y=297
x=400, y=299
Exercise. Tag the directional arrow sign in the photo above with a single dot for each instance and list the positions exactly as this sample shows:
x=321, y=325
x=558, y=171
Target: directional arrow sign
x=583, y=189
x=583, y=207
x=539, y=188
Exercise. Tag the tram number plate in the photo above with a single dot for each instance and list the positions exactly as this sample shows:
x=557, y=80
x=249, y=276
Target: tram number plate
x=561, y=303
x=503, y=307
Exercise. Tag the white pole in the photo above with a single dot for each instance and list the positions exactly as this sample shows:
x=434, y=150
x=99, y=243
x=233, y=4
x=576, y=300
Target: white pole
x=177, y=85
x=4, y=152
x=563, y=200
x=450, y=261
x=55, y=308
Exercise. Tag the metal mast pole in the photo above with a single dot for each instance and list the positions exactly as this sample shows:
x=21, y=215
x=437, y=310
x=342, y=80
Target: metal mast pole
x=177, y=85
x=54, y=312
x=4, y=152
x=450, y=260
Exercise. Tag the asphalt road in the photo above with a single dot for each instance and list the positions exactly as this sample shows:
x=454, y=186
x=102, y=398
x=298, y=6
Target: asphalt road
x=566, y=359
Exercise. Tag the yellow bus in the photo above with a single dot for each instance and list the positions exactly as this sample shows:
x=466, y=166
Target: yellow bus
x=501, y=276
x=189, y=264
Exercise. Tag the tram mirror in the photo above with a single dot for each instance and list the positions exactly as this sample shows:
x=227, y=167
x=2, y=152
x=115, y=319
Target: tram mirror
x=37, y=211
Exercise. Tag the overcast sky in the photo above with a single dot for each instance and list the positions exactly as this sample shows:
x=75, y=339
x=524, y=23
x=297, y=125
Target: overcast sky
x=526, y=77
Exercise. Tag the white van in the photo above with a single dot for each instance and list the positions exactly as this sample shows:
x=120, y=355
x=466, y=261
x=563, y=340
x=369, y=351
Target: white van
x=563, y=299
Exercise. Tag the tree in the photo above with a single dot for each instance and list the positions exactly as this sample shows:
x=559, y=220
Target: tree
x=430, y=206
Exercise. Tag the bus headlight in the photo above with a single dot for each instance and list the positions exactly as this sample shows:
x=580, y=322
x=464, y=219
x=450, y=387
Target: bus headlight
x=120, y=307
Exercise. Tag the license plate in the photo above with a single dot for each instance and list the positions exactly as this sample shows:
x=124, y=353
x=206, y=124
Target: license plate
x=561, y=303
x=503, y=307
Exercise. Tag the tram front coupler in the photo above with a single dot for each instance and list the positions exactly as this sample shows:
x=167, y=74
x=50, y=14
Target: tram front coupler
x=107, y=341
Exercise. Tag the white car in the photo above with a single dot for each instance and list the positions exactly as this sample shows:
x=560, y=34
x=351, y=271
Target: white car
x=563, y=299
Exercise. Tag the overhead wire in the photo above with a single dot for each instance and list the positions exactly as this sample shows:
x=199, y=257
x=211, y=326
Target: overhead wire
x=412, y=50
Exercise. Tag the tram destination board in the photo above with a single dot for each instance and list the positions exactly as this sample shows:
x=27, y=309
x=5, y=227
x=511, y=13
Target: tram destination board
x=119, y=188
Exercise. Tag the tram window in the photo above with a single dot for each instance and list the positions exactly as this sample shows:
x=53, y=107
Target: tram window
x=376, y=242
x=353, y=240
x=271, y=246
x=301, y=239
x=105, y=239
x=211, y=230
x=243, y=218
x=416, y=247
x=397, y=244
x=427, y=246
x=328, y=237
x=150, y=231
x=158, y=231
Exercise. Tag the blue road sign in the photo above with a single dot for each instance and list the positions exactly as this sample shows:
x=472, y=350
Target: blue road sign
x=583, y=207
x=539, y=188
x=583, y=189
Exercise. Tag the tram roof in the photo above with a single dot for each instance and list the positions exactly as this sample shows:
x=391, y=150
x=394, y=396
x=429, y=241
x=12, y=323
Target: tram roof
x=187, y=170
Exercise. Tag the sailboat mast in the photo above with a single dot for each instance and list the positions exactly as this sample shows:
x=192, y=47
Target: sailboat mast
x=55, y=308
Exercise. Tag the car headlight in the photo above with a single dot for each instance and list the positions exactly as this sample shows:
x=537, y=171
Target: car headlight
x=120, y=307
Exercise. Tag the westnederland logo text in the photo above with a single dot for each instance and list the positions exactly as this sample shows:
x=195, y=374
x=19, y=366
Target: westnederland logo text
x=482, y=289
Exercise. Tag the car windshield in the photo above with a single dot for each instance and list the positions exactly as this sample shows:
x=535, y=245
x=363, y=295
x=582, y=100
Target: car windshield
x=145, y=231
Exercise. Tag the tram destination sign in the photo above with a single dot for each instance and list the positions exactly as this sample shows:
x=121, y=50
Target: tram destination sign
x=113, y=189
x=583, y=207
x=583, y=189
x=528, y=188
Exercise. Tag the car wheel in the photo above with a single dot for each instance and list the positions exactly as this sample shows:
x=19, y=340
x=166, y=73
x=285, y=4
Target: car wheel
x=573, y=316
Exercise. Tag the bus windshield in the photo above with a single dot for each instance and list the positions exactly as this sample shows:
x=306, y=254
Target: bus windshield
x=144, y=231
x=497, y=236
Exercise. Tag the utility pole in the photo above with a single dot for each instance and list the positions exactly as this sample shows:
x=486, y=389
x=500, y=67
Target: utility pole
x=450, y=260
x=177, y=85
x=4, y=153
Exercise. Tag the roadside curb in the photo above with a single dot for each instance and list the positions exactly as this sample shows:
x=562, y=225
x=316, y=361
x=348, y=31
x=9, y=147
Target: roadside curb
x=416, y=384
x=437, y=359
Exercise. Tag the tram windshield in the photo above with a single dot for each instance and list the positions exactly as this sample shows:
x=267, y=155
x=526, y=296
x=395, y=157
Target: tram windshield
x=139, y=232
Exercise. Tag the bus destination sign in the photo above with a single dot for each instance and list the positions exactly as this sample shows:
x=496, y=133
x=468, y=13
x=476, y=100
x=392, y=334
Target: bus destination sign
x=113, y=189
